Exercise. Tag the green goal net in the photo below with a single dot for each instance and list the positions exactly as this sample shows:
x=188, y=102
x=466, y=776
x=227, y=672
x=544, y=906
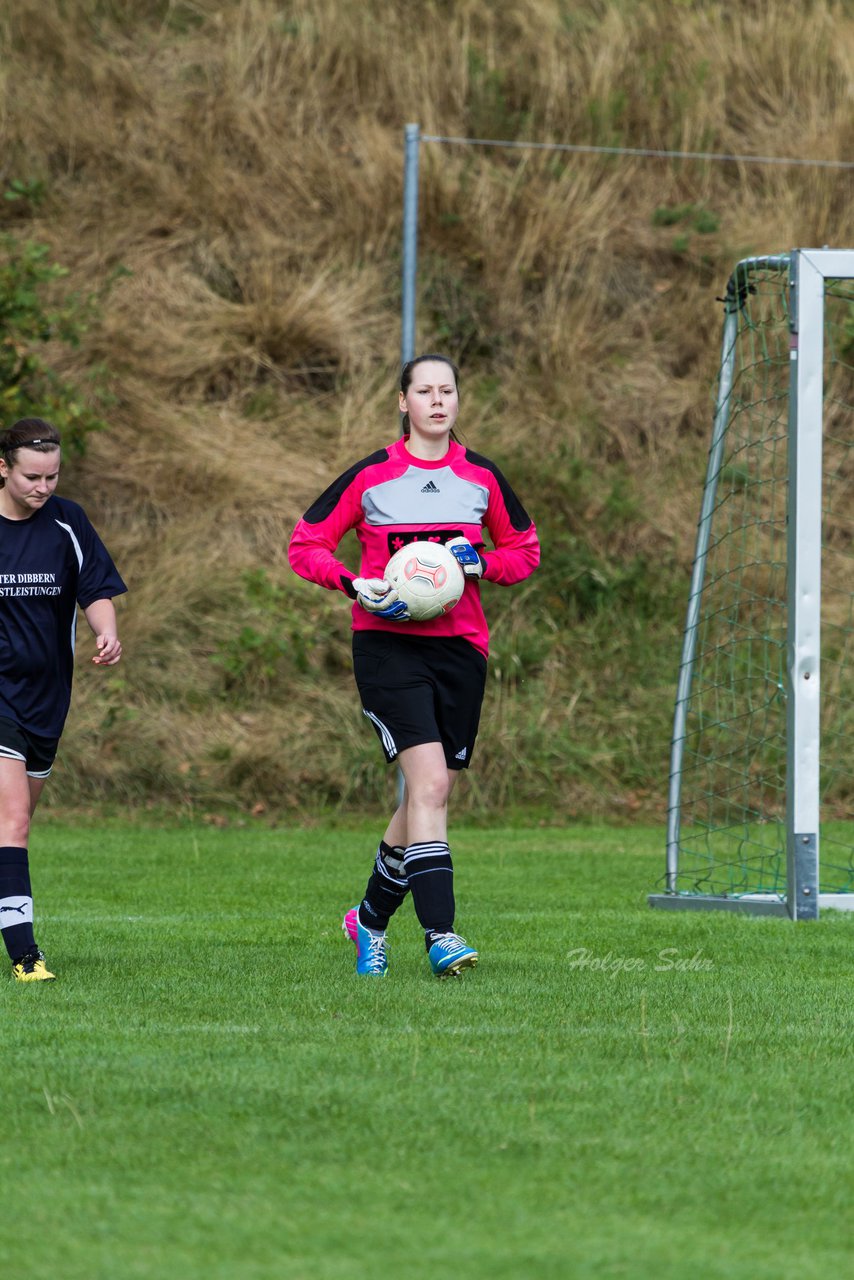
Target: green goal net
x=762, y=761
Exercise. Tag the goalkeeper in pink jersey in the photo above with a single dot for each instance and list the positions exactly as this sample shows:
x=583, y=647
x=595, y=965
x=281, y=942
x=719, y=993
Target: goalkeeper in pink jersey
x=421, y=683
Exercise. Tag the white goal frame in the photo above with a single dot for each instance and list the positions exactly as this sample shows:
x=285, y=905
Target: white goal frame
x=808, y=270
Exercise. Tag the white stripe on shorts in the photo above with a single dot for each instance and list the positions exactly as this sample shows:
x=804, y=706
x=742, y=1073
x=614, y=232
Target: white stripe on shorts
x=387, y=740
x=8, y=753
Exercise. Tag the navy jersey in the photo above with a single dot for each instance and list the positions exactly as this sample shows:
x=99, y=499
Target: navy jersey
x=49, y=564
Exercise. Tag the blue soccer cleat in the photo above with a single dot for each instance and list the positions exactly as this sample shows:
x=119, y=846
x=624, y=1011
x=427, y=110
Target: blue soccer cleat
x=370, y=945
x=449, y=954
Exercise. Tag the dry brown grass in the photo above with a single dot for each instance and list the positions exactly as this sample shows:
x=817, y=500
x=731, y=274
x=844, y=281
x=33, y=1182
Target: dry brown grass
x=243, y=161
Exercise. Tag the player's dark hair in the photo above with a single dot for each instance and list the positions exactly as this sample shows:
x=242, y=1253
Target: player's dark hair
x=27, y=433
x=406, y=376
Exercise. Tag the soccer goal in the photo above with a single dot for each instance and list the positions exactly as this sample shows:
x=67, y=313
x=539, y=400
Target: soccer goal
x=761, y=790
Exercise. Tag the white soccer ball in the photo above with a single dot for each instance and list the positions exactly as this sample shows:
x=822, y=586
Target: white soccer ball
x=427, y=577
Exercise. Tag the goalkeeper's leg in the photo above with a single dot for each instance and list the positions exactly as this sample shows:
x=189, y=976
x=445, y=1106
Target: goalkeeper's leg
x=427, y=860
x=365, y=925
x=423, y=810
x=387, y=887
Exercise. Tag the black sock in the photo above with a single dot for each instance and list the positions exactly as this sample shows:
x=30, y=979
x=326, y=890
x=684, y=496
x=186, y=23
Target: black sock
x=387, y=888
x=430, y=872
x=16, y=902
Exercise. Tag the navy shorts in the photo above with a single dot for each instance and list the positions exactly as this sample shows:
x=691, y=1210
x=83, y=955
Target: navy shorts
x=36, y=752
x=417, y=689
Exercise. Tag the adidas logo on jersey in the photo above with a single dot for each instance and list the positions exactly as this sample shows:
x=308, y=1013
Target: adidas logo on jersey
x=430, y=487
x=461, y=755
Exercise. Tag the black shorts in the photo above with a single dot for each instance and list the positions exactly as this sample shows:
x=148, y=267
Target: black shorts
x=36, y=752
x=417, y=689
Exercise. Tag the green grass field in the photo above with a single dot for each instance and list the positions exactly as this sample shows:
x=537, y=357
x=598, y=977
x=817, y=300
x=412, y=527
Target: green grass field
x=209, y=1091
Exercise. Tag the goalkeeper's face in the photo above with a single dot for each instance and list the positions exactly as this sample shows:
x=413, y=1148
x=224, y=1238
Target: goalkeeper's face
x=431, y=400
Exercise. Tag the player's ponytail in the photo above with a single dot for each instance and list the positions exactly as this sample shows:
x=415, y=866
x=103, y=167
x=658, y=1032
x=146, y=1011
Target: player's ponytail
x=27, y=433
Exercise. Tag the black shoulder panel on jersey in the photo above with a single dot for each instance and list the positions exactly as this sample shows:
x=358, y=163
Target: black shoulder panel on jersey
x=323, y=506
x=519, y=517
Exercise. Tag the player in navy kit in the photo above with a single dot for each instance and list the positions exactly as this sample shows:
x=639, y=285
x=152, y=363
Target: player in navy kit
x=421, y=683
x=51, y=561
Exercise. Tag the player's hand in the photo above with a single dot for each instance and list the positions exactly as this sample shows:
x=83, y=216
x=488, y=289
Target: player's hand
x=380, y=598
x=469, y=560
x=109, y=651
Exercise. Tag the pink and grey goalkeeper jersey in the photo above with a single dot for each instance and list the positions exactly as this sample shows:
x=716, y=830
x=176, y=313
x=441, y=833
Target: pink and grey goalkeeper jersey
x=392, y=498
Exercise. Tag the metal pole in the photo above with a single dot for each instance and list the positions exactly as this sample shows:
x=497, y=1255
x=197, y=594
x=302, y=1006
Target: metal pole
x=412, y=139
x=412, y=136
x=689, y=635
x=804, y=582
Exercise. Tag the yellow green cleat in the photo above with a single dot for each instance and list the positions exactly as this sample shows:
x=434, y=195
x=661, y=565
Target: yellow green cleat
x=31, y=968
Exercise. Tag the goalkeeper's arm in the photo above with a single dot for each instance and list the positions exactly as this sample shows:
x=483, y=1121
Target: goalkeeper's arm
x=311, y=553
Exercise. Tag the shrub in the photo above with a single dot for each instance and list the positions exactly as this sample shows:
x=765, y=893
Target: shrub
x=29, y=386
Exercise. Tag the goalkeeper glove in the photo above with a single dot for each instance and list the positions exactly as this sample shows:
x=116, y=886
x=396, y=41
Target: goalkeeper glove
x=375, y=595
x=470, y=561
